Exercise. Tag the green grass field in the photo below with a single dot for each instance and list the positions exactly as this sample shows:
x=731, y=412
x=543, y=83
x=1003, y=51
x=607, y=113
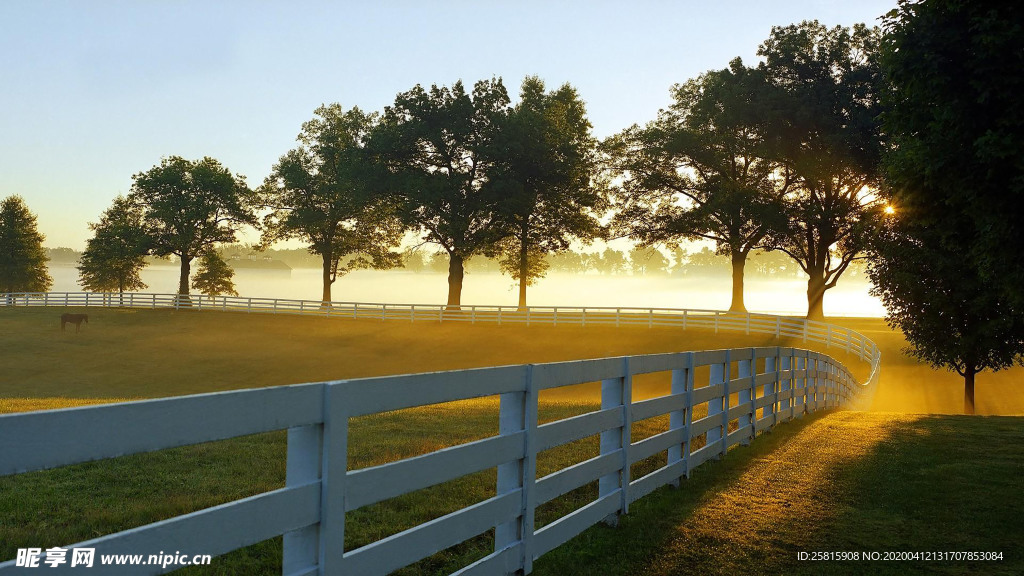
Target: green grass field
x=125, y=354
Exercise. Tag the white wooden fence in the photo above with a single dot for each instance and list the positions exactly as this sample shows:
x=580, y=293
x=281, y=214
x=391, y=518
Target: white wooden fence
x=746, y=392
x=850, y=341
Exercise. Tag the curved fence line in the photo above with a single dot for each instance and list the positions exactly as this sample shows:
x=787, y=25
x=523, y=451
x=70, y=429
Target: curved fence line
x=846, y=339
x=718, y=399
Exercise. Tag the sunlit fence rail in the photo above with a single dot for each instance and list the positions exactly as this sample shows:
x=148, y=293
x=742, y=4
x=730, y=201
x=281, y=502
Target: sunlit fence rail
x=850, y=341
x=717, y=399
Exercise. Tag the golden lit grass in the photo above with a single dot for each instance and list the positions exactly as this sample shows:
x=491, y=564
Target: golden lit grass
x=843, y=481
x=155, y=353
x=909, y=386
x=126, y=354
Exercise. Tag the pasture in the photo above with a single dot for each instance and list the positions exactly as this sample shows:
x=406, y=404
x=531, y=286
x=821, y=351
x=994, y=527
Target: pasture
x=124, y=354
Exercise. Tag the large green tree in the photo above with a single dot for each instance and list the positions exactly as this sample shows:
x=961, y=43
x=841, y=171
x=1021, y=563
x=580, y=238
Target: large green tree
x=22, y=257
x=701, y=170
x=547, y=179
x=439, y=150
x=947, y=271
x=951, y=315
x=190, y=206
x=825, y=130
x=955, y=118
x=116, y=253
x=321, y=193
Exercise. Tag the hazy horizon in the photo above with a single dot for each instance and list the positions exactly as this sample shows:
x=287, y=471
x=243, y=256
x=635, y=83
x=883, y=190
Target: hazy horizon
x=764, y=295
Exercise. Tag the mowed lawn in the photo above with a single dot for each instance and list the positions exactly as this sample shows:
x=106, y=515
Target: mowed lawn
x=125, y=354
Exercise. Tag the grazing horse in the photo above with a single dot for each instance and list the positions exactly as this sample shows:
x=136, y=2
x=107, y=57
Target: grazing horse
x=75, y=319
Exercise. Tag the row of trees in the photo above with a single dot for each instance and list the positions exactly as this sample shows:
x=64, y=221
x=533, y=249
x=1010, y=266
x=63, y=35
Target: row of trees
x=638, y=261
x=782, y=156
x=793, y=155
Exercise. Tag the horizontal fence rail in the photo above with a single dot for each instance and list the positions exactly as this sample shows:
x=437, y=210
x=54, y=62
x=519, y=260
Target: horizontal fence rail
x=739, y=394
x=850, y=341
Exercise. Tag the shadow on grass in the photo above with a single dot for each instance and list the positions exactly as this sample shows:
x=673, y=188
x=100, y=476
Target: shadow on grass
x=842, y=481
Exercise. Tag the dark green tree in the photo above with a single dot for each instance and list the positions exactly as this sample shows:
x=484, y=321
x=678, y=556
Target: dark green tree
x=214, y=275
x=116, y=253
x=825, y=131
x=438, y=149
x=189, y=206
x=549, y=168
x=946, y=273
x=955, y=118
x=951, y=315
x=700, y=171
x=22, y=257
x=322, y=194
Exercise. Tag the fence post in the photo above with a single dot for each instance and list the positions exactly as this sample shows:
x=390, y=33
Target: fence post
x=771, y=389
x=305, y=446
x=518, y=412
x=753, y=393
x=616, y=393
x=333, y=471
x=720, y=405
x=583, y=317
x=684, y=320
x=801, y=385
x=682, y=383
x=746, y=369
x=786, y=385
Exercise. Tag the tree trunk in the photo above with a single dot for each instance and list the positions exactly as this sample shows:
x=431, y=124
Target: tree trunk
x=739, y=261
x=186, y=270
x=524, y=269
x=969, y=372
x=815, y=297
x=455, y=274
x=325, y=299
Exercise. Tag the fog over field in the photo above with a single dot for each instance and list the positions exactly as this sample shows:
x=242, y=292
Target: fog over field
x=849, y=298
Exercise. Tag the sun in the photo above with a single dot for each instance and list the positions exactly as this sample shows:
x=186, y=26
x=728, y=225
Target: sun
x=889, y=210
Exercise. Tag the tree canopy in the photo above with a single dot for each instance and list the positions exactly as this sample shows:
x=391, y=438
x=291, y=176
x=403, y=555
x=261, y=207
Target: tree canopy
x=189, y=206
x=947, y=270
x=546, y=179
x=322, y=193
x=116, y=253
x=955, y=119
x=825, y=129
x=701, y=170
x=22, y=257
x=438, y=149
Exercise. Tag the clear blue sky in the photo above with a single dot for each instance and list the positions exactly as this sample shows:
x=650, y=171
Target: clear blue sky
x=93, y=92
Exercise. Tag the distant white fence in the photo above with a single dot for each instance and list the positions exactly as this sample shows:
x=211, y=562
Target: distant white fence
x=746, y=392
x=850, y=341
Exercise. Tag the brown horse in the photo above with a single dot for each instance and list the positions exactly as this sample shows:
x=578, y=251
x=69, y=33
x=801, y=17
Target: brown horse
x=75, y=319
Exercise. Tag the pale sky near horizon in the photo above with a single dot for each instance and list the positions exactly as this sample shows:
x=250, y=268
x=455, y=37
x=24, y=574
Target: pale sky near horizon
x=93, y=92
